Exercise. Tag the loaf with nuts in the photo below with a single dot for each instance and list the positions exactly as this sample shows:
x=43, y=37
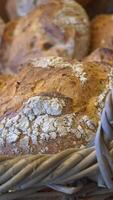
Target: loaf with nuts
x=102, y=32
x=52, y=105
x=59, y=28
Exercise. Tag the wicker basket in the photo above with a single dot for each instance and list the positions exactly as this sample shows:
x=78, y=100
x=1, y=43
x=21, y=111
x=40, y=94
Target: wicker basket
x=84, y=174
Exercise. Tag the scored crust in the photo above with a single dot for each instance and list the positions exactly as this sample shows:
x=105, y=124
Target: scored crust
x=50, y=107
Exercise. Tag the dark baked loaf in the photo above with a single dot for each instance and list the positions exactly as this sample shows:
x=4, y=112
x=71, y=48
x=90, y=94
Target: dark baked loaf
x=102, y=32
x=52, y=105
x=55, y=28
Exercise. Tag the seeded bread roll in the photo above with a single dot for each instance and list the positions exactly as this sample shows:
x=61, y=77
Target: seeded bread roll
x=54, y=28
x=100, y=55
x=52, y=105
x=102, y=32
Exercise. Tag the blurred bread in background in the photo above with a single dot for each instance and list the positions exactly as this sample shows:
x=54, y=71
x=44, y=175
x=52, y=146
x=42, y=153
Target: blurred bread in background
x=59, y=28
x=102, y=32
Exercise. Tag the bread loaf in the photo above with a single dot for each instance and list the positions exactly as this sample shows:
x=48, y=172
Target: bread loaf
x=58, y=28
x=52, y=105
x=102, y=32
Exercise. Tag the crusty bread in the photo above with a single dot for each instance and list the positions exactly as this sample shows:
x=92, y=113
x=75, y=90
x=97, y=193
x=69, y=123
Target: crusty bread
x=52, y=105
x=102, y=32
x=58, y=28
x=100, y=55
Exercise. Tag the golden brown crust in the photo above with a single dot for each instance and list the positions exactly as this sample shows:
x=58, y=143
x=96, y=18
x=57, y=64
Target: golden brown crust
x=102, y=32
x=66, y=98
x=56, y=28
x=32, y=81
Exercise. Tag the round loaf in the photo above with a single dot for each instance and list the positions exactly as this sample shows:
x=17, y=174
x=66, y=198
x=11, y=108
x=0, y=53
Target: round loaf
x=102, y=32
x=52, y=105
x=58, y=28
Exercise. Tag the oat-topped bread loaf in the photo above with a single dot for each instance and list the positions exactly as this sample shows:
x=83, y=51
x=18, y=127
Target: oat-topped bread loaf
x=102, y=31
x=52, y=105
x=100, y=55
x=55, y=28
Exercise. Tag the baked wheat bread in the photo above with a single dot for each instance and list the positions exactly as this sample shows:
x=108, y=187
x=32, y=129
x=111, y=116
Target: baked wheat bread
x=52, y=105
x=102, y=31
x=59, y=28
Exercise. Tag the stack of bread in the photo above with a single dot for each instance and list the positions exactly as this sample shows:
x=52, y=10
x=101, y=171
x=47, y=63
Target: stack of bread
x=52, y=90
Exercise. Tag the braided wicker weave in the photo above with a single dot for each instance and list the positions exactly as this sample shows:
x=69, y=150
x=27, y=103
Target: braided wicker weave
x=72, y=174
